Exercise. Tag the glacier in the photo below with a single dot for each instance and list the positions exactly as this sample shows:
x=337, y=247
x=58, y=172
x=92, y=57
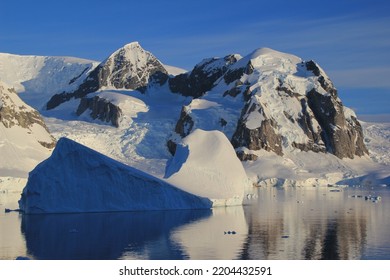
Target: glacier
x=78, y=179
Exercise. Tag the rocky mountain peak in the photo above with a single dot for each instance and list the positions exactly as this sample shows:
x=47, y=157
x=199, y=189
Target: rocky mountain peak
x=130, y=67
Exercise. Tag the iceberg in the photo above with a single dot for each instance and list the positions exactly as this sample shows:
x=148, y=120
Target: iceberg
x=78, y=179
x=205, y=164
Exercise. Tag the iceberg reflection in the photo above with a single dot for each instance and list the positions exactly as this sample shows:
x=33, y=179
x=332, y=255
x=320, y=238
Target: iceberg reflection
x=141, y=235
x=221, y=236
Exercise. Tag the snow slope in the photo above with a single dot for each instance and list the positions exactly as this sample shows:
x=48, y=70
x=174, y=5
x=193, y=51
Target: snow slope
x=37, y=78
x=146, y=124
x=24, y=138
x=78, y=179
x=206, y=165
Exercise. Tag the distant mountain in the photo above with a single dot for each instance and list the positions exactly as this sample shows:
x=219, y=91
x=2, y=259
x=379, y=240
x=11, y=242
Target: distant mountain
x=24, y=138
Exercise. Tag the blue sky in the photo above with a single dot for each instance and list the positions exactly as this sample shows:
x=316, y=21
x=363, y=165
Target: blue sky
x=349, y=39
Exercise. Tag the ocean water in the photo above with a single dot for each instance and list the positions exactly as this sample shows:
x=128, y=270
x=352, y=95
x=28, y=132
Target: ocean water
x=275, y=223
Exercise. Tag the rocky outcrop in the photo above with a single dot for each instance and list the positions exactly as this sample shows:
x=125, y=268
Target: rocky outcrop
x=101, y=109
x=321, y=117
x=183, y=128
x=15, y=113
x=202, y=78
x=264, y=137
x=343, y=137
x=130, y=67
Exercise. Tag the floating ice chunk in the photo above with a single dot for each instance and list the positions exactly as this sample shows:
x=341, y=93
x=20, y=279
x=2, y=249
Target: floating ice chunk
x=206, y=165
x=78, y=179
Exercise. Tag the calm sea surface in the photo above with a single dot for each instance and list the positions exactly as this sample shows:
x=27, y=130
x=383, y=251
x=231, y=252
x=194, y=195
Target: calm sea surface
x=290, y=223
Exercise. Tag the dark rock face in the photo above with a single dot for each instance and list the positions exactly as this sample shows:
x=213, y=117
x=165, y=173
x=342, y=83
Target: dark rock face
x=235, y=74
x=245, y=157
x=101, y=109
x=130, y=67
x=183, y=128
x=343, y=138
x=184, y=124
x=202, y=78
x=263, y=137
x=342, y=135
x=316, y=143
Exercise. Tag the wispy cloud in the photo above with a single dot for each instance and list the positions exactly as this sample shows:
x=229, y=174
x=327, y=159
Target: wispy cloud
x=362, y=77
x=354, y=50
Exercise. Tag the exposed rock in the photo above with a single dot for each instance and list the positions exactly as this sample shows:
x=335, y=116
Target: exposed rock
x=343, y=138
x=171, y=145
x=14, y=112
x=245, y=157
x=185, y=123
x=233, y=75
x=236, y=73
x=312, y=66
x=264, y=137
x=183, y=128
x=325, y=82
x=312, y=131
x=202, y=78
x=101, y=109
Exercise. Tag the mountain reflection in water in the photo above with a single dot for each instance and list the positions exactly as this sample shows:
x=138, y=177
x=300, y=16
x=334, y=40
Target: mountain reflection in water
x=316, y=223
x=289, y=223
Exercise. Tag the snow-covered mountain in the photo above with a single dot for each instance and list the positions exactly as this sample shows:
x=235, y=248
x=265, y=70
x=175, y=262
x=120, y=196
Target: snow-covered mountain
x=281, y=114
x=38, y=78
x=130, y=67
x=273, y=101
x=24, y=137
